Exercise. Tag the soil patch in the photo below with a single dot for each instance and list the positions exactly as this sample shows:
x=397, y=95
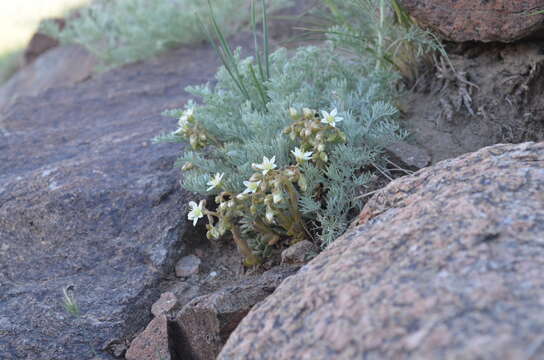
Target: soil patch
x=493, y=96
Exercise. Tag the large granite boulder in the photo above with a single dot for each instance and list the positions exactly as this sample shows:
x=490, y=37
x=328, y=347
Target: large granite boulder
x=444, y=264
x=470, y=20
x=86, y=201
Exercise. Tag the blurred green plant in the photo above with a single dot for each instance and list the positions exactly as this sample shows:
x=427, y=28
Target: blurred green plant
x=124, y=31
x=380, y=33
x=10, y=61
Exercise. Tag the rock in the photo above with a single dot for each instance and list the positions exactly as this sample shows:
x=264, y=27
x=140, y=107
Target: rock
x=409, y=155
x=468, y=20
x=299, y=253
x=166, y=302
x=187, y=266
x=87, y=201
x=152, y=343
x=61, y=66
x=445, y=264
x=205, y=323
x=40, y=43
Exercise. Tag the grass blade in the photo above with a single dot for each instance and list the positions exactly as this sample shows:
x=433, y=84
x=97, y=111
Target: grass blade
x=266, y=43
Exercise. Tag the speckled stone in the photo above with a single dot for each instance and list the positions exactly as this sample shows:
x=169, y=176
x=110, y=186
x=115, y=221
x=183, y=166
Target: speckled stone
x=483, y=20
x=444, y=264
x=205, y=323
x=187, y=266
x=299, y=253
x=166, y=302
x=152, y=343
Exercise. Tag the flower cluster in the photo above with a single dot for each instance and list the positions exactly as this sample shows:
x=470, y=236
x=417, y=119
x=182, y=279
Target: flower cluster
x=315, y=130
x=190, y=129
x=270, y=196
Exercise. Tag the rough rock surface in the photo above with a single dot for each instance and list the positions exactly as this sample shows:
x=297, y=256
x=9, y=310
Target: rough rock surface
x=85, y=200
x=152, y=343
x=445, y=264
x=61, y=66
x=469, y=20
x=408, y=155
x=204, y=324
x=40, y=43
x=299, y=253
x=166, y=302
x=187, y=266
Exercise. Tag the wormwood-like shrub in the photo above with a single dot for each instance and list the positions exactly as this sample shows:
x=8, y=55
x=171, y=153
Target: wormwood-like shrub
x=294, y=168
x=123, y=31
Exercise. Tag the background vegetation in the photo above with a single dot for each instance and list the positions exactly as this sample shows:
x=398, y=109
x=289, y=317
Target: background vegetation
x=18, y=21
x=124, y=31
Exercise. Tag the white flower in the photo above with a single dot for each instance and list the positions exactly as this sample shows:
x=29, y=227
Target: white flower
x=293, y=112
x=277, y=197
x=184, y=119
x=215, y=181
x=269, y=215
x=267, y=165
x=179, y=132
x=189, y=112
x=331, y=118
x=197, y=211
x=307, y=112
x=251, y=186
x=300, y=155
x=183, y=122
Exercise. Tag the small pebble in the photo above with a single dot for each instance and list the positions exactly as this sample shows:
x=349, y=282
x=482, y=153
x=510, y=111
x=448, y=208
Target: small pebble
x=187, y=266
x=166, y=303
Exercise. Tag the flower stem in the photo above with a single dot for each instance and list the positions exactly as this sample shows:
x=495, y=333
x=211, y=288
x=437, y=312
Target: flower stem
x=250, y=258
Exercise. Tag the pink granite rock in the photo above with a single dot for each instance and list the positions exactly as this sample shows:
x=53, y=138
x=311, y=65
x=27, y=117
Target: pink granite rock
x=445, y=264
x=469, y=20
x=152, y=343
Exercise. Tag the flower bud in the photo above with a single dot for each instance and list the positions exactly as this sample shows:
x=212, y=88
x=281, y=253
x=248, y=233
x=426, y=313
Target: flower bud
x=255, y=177
x=323, y=156
x=321, y=147
x=277, y=197
x=193, y=141
x=319, y=136
x=187, y=166
x=302, y=183
x=293, y=113
x=269, y=215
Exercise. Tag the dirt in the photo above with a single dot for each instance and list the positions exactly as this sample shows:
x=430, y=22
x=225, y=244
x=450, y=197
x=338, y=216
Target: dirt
x=493, y=96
